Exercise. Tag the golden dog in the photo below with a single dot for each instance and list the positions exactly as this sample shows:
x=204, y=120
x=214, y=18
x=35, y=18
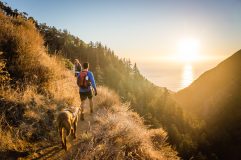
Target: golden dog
x=67, y=123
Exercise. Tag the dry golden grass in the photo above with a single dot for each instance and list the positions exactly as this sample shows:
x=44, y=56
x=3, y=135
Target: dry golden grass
x=119, y=133
x=8, y=142
x=40, y=84
x=106, y=98
x=28, y=63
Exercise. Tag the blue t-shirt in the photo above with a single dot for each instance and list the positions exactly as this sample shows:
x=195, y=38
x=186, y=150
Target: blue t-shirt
x=92, y=80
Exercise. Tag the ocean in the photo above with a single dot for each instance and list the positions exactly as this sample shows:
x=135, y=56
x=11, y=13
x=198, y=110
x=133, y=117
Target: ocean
x=174, y=76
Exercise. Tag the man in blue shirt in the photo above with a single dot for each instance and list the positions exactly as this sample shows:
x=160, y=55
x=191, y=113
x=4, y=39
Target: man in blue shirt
x=86, y=83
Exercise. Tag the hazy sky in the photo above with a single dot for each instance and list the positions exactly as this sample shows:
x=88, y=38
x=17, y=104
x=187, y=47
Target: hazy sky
x=147, y=31
x=144, y=27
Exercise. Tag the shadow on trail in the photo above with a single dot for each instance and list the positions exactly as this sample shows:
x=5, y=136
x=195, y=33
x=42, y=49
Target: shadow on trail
x=46, y=147
x=12, y=155
x=52, y=151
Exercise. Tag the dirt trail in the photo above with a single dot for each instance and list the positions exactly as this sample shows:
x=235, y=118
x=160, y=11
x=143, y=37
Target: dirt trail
x=55, y=151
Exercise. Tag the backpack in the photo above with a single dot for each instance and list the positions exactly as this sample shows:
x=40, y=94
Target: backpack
x=83, y=80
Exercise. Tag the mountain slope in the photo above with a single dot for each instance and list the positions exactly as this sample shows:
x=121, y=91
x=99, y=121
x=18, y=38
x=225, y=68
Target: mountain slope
x=35, y=86
x=215, y=98
x=218, y=85
x=111, y=132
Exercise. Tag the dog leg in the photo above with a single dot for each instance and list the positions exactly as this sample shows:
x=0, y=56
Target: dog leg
x=61, y=133
x=67, y=133
x=72, y=132
x=65, y=144
x=75, y=127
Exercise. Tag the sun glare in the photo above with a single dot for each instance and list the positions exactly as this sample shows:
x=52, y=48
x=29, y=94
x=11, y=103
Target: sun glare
x=187, y=76
x=188, y=49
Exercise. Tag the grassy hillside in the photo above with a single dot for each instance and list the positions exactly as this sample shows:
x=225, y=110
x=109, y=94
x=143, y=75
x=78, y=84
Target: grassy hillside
x=119, y=133
x=35, y=86
x=215, y=98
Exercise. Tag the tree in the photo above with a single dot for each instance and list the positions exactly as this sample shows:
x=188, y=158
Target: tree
x=99, y=75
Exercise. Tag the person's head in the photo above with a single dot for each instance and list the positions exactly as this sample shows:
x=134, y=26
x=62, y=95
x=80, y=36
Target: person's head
x=76, y=61
x=86, y=65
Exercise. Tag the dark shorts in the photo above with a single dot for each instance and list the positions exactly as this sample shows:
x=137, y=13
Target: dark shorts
x=85, y=95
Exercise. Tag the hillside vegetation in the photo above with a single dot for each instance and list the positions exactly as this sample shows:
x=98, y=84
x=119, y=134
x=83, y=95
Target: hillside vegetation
x=215, y=99
x=35, y=86
x=119, y=133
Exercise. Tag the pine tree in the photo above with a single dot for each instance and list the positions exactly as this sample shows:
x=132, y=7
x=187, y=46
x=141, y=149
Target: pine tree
x=136, y=70
x=99, y=75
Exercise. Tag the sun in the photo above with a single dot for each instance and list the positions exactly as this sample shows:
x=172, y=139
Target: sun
x=188, y=49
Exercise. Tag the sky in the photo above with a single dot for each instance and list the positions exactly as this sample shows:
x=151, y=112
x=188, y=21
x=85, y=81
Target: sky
x=146, y=31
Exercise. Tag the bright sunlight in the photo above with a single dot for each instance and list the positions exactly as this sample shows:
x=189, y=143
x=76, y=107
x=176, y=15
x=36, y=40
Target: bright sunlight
x=188, y=49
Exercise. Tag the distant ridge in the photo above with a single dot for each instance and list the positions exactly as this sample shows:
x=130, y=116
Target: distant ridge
x=225, y=76
x=215, y=98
